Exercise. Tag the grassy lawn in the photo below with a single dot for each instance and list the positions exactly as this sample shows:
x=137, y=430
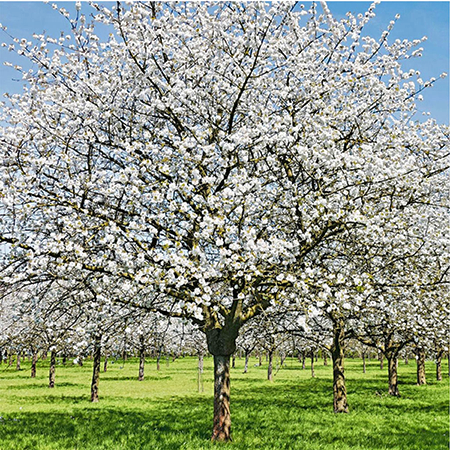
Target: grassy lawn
x=166, y=411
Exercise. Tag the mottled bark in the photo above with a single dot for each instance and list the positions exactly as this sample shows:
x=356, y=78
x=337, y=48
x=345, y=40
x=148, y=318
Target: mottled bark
x=141, y=357
x=392, y=374
x=34, y=357
x=439, y=355
x=222, y=415
x=270, y=366
x=337, y=353
x=96, y=369
x=51, y=372
x=421, y=378
x=313, y=375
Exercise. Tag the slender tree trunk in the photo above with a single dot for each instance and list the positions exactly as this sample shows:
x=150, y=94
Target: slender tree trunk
x=158, y=360
x=18, y=361
x=222, y=416
x=64, y=359
x=381, y=359
x=313, y=375
x=1, y=356
x=33, y=362
x=303, y=360
x=259, y=359
x=406, y=360
x=247, y=357
x=325, y=358
x=80, y=360
x=282, y=359
x=96, y=369
x=270, y=367
x=421, y=379
x=105, y=363
x=200, y=372
x=44, y=355
x=337, y=352
x=364, y=361
x=392, y=374
x=233, y=361
x=141, y=358
x=439, y=354
x=51, y=372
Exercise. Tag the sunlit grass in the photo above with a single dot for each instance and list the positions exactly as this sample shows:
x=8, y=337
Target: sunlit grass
x=166, y=411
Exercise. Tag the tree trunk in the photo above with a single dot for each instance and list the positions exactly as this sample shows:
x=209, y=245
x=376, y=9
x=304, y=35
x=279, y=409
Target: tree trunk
x=392, y=374
x=337, y=353
x=222, y=416
x=381, y=359
x=105, y=363
x=364, y=361
x=303, y=360
x=439, y=354
x=1, y=356
x=51, y=372
x=96, y=369
x=44, y=355
x=200, y=373
x=233, y=361
x=259, y=359
x=406, y=360
x=247, y=357
x=270, y=367
x=18, y=361
x=33, y=362
x=158, y=360
x=313, y=375
x=64, y=359
x=421, y=379
x=141, y=358
x=325, y=358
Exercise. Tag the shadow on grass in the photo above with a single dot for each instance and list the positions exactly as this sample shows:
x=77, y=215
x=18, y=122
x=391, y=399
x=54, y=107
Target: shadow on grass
x=286, y=415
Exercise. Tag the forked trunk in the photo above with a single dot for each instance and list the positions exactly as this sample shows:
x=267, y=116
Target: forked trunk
x=51, y=372
x=34, y=358
x=96, y=369
x=222, y=416
x=421, y=379
x=313, y=375
x=270, y=367
x=392, y=374
x=337, y=352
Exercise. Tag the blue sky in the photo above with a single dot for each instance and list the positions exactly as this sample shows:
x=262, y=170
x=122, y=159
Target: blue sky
x=417, y=19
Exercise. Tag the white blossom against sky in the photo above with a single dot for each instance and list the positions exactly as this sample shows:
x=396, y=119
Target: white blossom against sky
x=417, y=19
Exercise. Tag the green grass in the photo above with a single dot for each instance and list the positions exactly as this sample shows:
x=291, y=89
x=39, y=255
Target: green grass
x=165, y=411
